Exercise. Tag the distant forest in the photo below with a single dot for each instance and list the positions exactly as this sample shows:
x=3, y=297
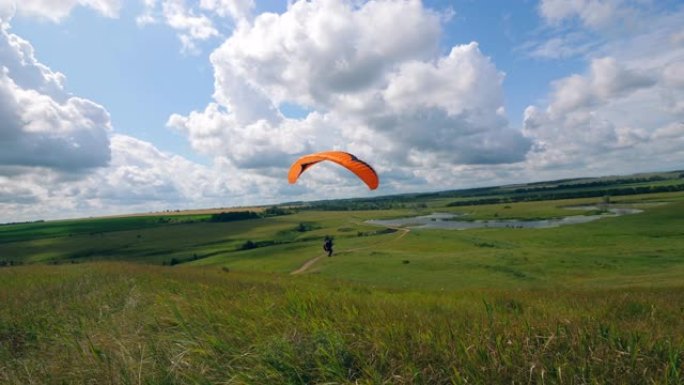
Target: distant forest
x=230, y=216
x=551, y=194
x=554, y=190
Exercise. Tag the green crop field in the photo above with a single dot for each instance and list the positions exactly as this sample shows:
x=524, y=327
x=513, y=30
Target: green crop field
x=252, y=299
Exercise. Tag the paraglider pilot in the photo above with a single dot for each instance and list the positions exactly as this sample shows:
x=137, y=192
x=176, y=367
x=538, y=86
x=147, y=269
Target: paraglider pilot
x=328, y=246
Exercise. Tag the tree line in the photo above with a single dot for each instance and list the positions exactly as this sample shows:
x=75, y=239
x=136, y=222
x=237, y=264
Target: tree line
x=569, y=195
x=230, y=216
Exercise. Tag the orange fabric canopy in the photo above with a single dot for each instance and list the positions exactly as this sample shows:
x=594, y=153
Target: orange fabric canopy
x=362, y=169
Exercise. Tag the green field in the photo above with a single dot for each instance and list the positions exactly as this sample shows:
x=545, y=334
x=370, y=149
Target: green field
x=184, y=299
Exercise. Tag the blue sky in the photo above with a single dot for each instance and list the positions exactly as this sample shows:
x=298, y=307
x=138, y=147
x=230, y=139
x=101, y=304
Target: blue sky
x=136, y=73
x=114, y=107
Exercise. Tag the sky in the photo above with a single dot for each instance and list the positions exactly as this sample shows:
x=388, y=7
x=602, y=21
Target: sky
x=112, y=107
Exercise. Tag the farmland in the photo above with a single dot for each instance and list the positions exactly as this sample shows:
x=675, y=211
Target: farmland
x=202, y=298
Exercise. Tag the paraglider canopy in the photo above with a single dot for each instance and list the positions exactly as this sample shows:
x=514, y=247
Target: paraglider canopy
x=362, y=169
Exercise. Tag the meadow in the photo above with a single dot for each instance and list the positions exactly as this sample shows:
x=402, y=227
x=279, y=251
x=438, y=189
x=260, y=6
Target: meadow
x=180, y=299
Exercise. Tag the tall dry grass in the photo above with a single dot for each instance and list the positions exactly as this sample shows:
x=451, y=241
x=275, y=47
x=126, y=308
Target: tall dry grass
x=111, y=323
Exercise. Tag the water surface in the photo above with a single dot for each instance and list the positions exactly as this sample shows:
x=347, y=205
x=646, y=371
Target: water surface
x=459, y=221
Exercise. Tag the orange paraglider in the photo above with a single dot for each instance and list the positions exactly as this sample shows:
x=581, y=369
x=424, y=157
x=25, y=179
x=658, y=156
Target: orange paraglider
x=362, y=169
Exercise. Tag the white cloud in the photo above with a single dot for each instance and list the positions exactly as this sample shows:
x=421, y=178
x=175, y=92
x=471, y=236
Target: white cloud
x=591, y=13
x=673, y=74
x=42, y=125
x=237, y=9
x=143, y=175
x=583, y=27
x=606, y=80
x=139, y=178
x=147, y=15
x=59, y=157
x=194, y=22
x=17, y=55
x=610, y=79
x=375, y=87
x=192, y=27
x=623, y=114
x=322, y=48
x=56, y=11
x=445, y=111
x=560, y=47
x=677, y=37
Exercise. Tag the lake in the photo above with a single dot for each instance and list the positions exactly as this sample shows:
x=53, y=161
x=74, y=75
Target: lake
x=457, y=221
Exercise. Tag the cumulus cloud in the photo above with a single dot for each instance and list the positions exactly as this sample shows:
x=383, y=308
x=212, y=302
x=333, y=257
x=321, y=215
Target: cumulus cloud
x=18, y=57
x=607, y=80
x=425, y=116
x=324, y=49
x=581, y=112
x=42, y=125
x=450, y=111
x=139, y=178
x=142, y=175
x=624, y=112
x=59, y=156
x=372, y=86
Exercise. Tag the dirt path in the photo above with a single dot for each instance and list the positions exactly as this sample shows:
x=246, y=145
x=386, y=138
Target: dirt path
x=307, y=265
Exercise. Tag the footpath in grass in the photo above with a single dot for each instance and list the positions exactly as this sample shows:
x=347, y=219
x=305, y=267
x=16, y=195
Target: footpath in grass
x=119, y=323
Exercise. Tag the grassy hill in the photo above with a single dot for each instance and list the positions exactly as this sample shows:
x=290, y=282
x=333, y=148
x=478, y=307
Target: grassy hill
x=132, y=323
x=204, y=298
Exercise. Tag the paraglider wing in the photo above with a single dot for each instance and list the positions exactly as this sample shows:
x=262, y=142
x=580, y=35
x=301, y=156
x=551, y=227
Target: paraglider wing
x=362, y=169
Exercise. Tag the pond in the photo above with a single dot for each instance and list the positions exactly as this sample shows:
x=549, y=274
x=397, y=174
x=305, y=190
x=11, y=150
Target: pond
x=456, y=221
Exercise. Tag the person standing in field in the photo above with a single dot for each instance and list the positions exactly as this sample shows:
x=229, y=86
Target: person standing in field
x=328, y=246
